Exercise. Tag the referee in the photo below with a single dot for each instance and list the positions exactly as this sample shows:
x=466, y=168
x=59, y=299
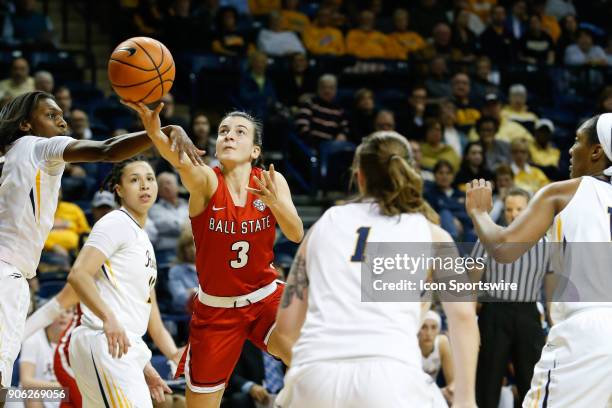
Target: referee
x=509, y=321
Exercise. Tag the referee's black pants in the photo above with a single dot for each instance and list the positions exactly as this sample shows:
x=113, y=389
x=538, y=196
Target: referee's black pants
x=508, y=332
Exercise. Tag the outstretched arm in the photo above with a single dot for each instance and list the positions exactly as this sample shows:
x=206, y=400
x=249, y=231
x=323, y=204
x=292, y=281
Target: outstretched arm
x=527, y=228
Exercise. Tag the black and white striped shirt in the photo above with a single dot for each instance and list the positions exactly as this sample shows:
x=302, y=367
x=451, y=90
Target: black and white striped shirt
x=527, y=272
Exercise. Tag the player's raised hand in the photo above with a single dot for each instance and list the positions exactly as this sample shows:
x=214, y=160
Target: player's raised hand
x=267, y=187
x=118, y=341
x=157, y=386
x=478, y=197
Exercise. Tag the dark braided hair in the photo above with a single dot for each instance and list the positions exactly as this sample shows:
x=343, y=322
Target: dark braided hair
x=257, y=134
x=15, y=112
x=114, y=177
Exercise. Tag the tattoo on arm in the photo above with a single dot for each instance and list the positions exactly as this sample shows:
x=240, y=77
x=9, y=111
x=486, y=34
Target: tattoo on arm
x=297, y=281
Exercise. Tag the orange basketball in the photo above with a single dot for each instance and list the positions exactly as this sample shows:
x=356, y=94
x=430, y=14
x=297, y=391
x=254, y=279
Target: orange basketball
x=141, y=69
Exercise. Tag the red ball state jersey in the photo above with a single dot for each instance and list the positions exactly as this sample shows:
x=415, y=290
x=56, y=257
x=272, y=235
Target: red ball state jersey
x=234, y=244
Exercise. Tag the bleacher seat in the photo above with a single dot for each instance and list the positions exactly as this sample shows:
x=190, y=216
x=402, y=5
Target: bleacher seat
x=335, y=159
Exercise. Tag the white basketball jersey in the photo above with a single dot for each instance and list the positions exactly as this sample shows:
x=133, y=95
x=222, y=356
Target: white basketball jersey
x=128, y=275
x=433, y=362
x=338, y=324
x=29, y=189
x=584, y=226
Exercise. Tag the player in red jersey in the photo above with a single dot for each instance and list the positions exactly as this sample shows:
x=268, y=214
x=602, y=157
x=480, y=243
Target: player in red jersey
x=234, y=210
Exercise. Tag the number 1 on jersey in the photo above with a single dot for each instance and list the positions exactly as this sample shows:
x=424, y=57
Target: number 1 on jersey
x=362, y=236
x=610, y=212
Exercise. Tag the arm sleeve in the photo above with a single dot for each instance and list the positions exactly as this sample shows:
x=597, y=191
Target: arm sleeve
x=51, y=149
x=108, y=235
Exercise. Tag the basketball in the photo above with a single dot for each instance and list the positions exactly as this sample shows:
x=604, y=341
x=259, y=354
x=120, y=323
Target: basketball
x=141, y=69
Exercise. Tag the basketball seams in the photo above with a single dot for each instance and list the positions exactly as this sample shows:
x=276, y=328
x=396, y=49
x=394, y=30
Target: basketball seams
x=154, y=88
x=144, y=82
x=133, y=66
x=153, y=62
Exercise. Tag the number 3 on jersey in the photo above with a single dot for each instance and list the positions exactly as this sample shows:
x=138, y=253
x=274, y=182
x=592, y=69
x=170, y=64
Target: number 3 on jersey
x=242, y=255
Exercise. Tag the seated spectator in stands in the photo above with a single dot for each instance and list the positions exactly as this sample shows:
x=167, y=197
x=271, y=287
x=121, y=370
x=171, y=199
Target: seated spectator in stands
x=200, y=133
x=440, y=44
x=549, y=23
x=63, y=97
x=584, y=53
x=481, y=8
x=169, y=214
x=425, y=15
x=291, y=18
x=361, y=118
x=473, y=166
x=484, y=81
x=183, y=30
x=569, y=35
x=463, y=39
x=263, y=7
x=256, y=93
x=182, y=277
x=437, y=81
x=434, y=149
x=496, y=151
x=366, y=42
x=168, y=114
x=31, y=27
x=412, y=117
x=276, y=42
x=405, y=41
x=102, y=203
x=321, y=38
x=449, y=203
x=504, y=181
x=79, y=125
x=19, y=81
x=68, y=225
x=417, y=157
x=516, y=23
x=384, y=120
x=452, y=136
x=508, y=130
x=295, y=84
x=467, y=114
x=517, y=109
x=560, y=8
x=496, y=40
x=436, y=352
x=527, y=177
x=474, y=23
x=43, y=81
x=323, y=119
x=536, y=47
x=543, y=153
x=229, y=41
x=37, y=353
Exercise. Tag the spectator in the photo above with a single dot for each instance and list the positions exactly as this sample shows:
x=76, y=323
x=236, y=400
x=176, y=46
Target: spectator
x=30, y=26
x=362, y=117
x=276, y=42
x=549, y=23
x=384, y=120
x=321, y=38
x=79, y=125
x=412, y=118
x=182, y=277
x=426, y=14
x=366, y=42
x=449, y=203
x=536, y=47
x=560, y=8
x=182, y=30
x=496, y=41
x=504, y=181
x=169, y=214
x=102, y=203
x=437, y=81
x=569, y=35
x=63, y=97
x=452, y=135
x=229, y=40
x=417, y=157
x=200, y=133
x=482, y=8
x=441, y=44
x=291, y=18
x=37, y=353
x=484, y=81
x=542, y=152
x=256, y=93
x=583, y=52
x=464, y=40
x=19, y=81
x=434, y=149
x=496, y=151
x=168, y=115
x=473, y=166
x=68, y=225
x=508, y=130
x=294, y=85
x=406, y=42
x=322, y=119
x=604, y=103
x=474, y=23
x=527, y=177
x=43, y=81
x=516, y=23
x=517, y=109
x=436, y=352
x=467, y=114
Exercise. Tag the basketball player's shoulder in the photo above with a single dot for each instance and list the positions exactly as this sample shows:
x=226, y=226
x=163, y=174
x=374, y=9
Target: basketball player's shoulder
x=116, y=223
x=438, y=234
